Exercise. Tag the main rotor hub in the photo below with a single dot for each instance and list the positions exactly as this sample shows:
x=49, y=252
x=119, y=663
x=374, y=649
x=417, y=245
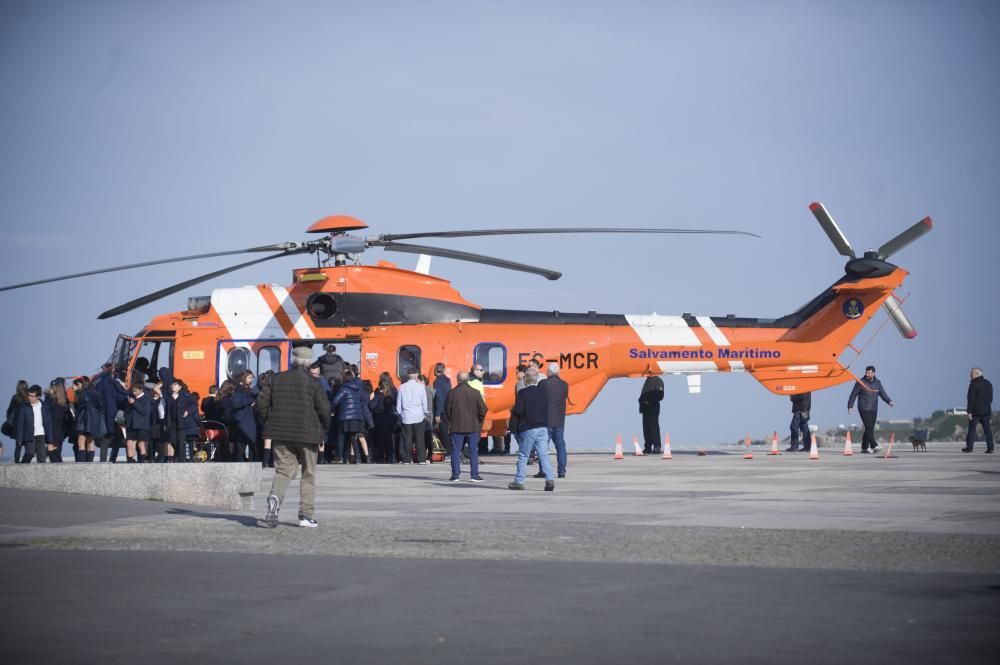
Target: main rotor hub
x=336, y=225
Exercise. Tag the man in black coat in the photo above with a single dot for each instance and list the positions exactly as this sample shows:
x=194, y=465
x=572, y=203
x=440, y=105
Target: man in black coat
x=649, y=406
x=532, y=411
x=465, y=408
x=801, y=405
x=556, y=395
x=979, y=402
x=297, y=415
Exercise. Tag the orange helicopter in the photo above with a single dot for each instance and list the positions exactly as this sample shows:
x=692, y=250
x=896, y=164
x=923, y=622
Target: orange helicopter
x=404, y=319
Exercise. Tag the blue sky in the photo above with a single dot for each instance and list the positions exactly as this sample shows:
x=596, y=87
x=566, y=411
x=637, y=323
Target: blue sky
x=139, y=130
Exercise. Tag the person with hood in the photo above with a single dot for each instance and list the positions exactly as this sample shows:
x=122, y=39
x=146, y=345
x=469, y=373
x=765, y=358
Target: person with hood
x=33, y=426
x=979, y=401
x=350, y=405
x=869, y=389
x=331, y=366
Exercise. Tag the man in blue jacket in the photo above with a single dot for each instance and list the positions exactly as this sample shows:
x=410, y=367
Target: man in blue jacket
x=869, y=389
x=442, y=386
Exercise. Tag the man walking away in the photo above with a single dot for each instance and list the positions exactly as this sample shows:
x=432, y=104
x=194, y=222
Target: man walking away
x=556, y=395
x=801, y=405
x=980, y=408
x=649, y=406
x=531, y=409
x=298, y=415
x=465, y=409
x=411, y=405
x=869, y=389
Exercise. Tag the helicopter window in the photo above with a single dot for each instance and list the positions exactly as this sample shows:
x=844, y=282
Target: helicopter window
x=493, y=357
x=153, y=355
x=407, y=358
x=321, y=306
x=268, y=360
x=237, y=360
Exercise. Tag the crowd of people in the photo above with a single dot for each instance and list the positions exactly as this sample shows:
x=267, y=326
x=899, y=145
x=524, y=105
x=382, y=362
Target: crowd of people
x=158, y=419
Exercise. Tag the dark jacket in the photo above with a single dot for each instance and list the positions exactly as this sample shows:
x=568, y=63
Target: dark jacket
x=980, y=397
x=112, y=393
x=24, y=423
x=242, y=402
x=651, y=395
x=141, y=414
x=556, y=393
x=331, y=367
x=869, y=393
x=90, y=413
x=531, y=408
x=213, y=409
x=383, y=408
x=174, y=410
x=465, y=409
x=801, y=403
x=296, y=409
x=62, y=421
x=350, y=403
x=442, y=386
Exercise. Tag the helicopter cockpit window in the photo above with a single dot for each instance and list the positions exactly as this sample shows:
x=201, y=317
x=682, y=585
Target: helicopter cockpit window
x=268, y=360
x=153, y=355
x=237, y=360
x=407, y=358
x=493, y=357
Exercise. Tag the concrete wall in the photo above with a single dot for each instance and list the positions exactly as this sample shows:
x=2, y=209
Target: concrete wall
x=223, y=485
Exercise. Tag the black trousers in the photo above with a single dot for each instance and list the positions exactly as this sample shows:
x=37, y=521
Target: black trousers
x=412, y=436
x=987, y=432
x=651, y=432
x=868, y=439
x=35, y=449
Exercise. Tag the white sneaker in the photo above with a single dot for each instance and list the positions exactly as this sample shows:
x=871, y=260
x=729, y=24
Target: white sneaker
x=877, y=449
x=308, y=522
x=271, y=518
x=426, y=461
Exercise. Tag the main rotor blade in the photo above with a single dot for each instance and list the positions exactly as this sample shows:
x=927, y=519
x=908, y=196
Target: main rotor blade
x=390, y=246
x=535, y=231
x=162, y=293
x=905, y=238
x=266, y=248
x=833, y=231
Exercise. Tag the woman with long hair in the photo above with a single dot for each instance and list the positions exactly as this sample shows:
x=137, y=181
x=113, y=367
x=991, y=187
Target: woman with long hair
x=89, y=423
x=58, y=406
x=19, y=397
x=383, y=408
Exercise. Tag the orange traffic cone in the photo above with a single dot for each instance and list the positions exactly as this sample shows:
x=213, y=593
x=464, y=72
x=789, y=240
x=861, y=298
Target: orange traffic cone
x=618, y=448
x=888, y=452
x=666, y=447
x=749, y=454
x=638, y=448
x=813, y=449
x=774, y=445
x=848, y=446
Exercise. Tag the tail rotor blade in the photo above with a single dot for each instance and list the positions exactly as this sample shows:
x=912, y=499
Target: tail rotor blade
x=895, y=311
x=905, y=238
x=833, y=231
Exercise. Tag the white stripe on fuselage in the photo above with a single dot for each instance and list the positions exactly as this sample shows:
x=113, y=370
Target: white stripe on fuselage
x=656, y=330
x=245, y=314
x=292, y=310
x=713, y=330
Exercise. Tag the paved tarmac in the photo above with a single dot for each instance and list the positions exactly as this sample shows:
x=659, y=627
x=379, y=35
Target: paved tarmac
x=695, y=559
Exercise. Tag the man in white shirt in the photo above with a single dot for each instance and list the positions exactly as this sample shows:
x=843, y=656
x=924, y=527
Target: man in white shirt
x=411, y=406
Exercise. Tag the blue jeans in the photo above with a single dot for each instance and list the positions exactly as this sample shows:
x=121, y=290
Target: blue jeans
x=458, y=439
x=800, y=424
x=536, y=439
x=559, y=441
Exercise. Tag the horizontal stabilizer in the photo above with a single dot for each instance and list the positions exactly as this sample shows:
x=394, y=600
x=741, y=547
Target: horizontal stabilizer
x=795, y=379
